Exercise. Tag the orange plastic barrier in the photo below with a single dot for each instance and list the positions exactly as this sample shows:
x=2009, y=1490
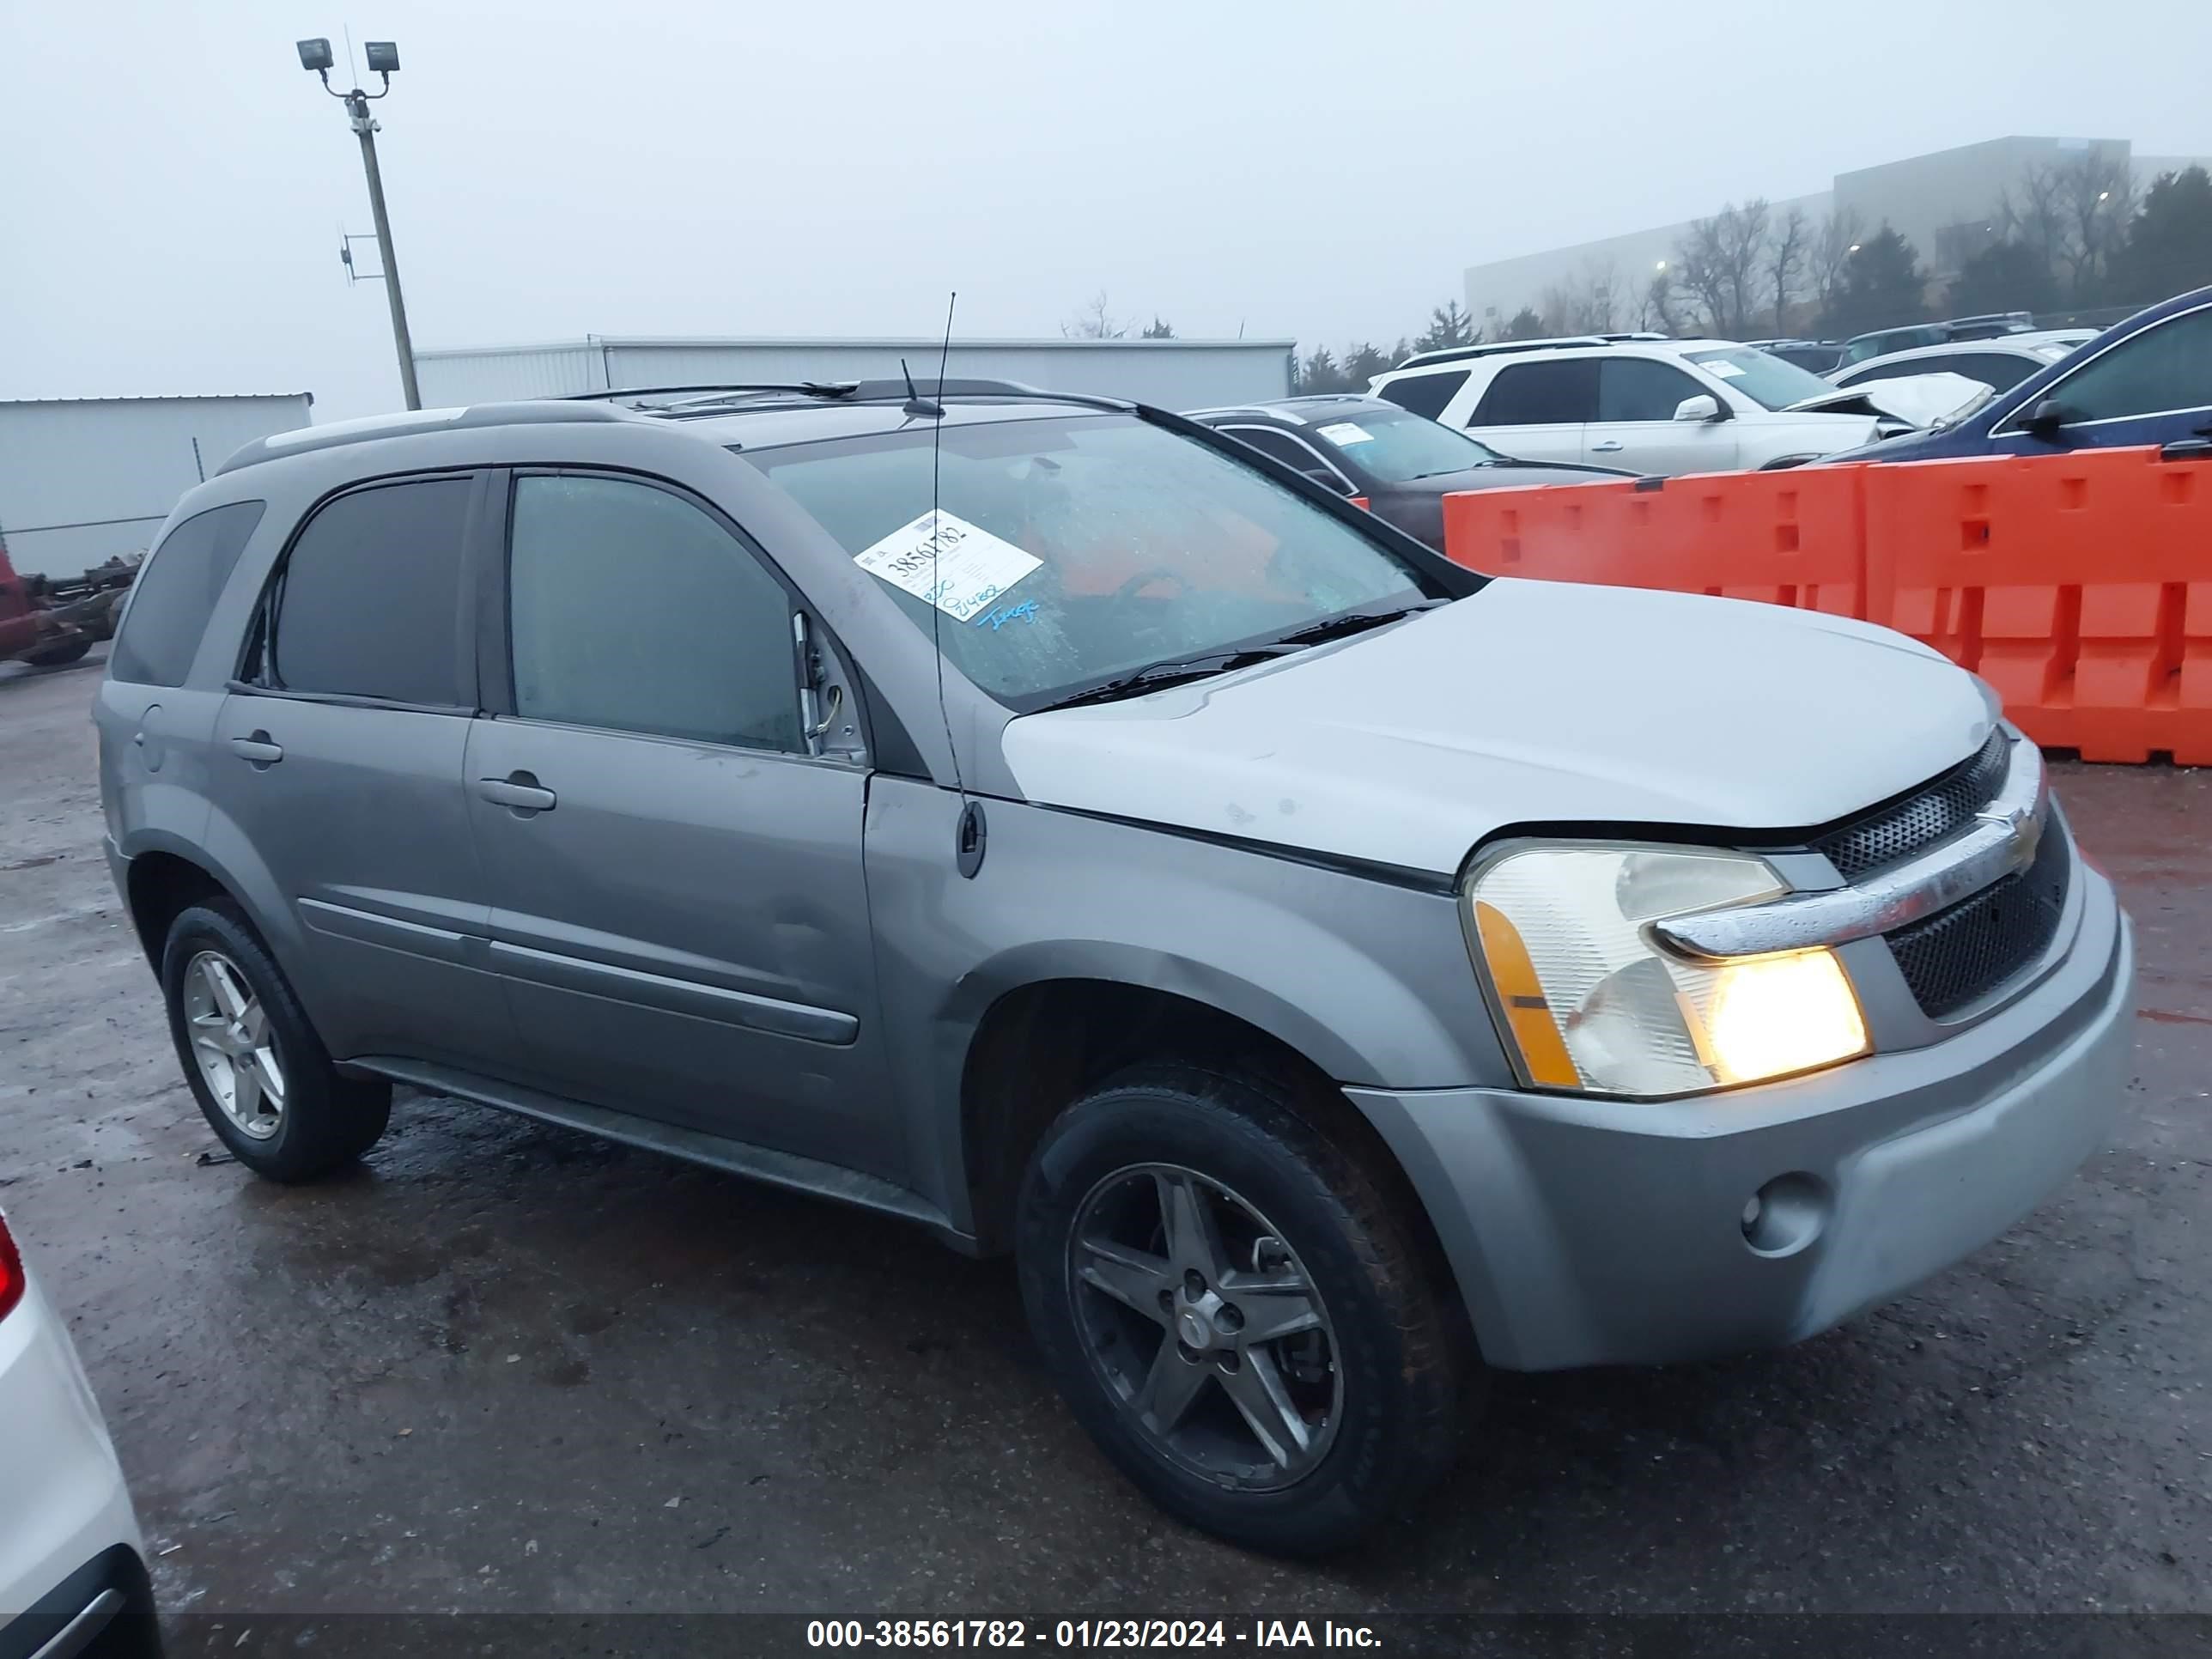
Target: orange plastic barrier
x=1796, y=539
x=2079, y=586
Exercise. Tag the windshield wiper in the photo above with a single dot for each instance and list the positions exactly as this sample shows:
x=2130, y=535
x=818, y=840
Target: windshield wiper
x=1172, y=670
x=1358, y=621
x=1157, y=676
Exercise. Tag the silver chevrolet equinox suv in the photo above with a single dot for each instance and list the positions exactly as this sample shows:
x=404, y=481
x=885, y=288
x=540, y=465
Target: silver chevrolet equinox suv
x=1326, y=972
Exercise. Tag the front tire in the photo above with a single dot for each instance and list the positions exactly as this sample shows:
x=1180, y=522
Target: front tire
x=1236, y=1311
x=262, y=1077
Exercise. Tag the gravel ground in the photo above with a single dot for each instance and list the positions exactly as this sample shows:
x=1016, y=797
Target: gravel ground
x=505, y=1369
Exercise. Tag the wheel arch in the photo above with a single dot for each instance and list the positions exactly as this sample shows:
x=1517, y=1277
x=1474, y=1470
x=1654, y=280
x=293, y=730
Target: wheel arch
x=1040, y=1045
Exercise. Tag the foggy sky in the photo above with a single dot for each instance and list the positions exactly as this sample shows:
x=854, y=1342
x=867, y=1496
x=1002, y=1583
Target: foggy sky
x=174, y=184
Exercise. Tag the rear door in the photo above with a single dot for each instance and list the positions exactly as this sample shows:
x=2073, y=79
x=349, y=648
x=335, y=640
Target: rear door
x=157, y=733
x=1536, y=410
x=2153, y=387
x=1636, y=427
x=336, y=769
x=678, y=902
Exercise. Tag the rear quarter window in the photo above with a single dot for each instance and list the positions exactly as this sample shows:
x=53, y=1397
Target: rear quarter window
x=175, y=594
x=1425, y=394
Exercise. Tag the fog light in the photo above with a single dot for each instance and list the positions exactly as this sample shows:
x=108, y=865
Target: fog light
x=1780, y=1014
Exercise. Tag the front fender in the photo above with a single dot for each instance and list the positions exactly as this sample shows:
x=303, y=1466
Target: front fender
x=1367, y=979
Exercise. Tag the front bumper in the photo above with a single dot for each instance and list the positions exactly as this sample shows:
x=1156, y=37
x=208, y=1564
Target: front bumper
x=1585, y=1232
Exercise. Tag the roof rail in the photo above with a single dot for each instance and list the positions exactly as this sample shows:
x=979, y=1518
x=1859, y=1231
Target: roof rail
x=413, y=422
x=1498, y=348
x=684, y=401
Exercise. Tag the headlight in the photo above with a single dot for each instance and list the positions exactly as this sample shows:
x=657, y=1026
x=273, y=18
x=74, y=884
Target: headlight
x=1588, y=1001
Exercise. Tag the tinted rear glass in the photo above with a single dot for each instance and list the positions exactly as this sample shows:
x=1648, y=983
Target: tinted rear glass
x=1425, y=394
x=367, y=606
x=175, y=595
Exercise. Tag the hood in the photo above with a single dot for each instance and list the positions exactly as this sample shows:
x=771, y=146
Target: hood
x=1527, y=702
x=1922, y=399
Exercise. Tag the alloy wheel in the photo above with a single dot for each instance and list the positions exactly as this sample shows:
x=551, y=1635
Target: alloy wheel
x=233, y=1044
x=1203, y=1322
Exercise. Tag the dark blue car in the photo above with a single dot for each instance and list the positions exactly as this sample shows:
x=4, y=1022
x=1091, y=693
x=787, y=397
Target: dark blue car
x=2147, y=381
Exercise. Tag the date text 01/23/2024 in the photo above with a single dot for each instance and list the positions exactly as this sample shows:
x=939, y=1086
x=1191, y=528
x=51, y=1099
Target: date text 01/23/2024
x=1086, y=1633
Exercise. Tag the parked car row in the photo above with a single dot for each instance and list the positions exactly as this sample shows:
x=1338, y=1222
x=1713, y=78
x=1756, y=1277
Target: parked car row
x=1644, y=403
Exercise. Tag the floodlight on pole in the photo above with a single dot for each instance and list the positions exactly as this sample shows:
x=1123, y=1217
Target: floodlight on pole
x=383, y=57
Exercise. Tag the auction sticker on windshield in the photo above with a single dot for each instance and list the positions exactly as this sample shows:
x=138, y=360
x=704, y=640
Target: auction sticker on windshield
x=943, y=559
x=1345, y=432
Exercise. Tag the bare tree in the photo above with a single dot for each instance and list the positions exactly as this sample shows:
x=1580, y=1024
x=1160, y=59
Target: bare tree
x=1828, y=254
x=1095, y=322
x=1720, y=262
x=2097, y=191
x=1786, y=252
x=1698, y=273
x=1657, y=309
x=2034, y=213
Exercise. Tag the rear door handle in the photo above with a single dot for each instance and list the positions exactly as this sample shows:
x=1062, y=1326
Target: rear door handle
x=520, y=790
x=258, y=749
x=1606, y=446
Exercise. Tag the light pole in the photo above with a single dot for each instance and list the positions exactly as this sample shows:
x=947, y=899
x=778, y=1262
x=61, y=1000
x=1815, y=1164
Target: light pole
x=383, y=57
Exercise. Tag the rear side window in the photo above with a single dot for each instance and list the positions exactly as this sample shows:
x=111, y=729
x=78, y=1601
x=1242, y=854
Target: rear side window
x=1562, y=393
x=367, y=606
x=175, y=595
x=716, y=663
x=1425, y=394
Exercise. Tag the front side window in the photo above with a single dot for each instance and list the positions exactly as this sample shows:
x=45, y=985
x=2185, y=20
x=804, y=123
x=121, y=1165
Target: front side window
x=2167, y=367
x=631, y=610
x=1426, y=395
x=176, y=594
x=367, y=603
x=1073, y=549
x=1638, y=389
x=1765, y=380
x=1560, y=393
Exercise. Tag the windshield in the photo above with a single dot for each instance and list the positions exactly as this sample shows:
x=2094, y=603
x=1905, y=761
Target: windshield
x=1073, y=550
x=1397, y=447
x=1765, y=380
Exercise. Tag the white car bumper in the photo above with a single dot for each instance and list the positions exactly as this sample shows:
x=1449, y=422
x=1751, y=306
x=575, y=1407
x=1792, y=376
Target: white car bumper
x=66, y=1525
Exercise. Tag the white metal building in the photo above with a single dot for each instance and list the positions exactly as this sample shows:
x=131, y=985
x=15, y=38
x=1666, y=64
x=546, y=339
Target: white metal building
x=1171, y=373
x=83, y=479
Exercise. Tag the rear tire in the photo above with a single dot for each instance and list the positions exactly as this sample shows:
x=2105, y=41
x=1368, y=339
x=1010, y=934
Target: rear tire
x=261, y=1076
x=1296, y=1444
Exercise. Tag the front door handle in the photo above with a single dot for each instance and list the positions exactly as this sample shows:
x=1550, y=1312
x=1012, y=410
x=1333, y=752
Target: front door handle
x=258, y=749
x=520, y=790
x=1608, y=446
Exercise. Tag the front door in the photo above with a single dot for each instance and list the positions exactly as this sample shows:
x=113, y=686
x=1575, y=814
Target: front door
x=336, y=779
x=1636, y=426
x=2154, y=387
x=677, y=906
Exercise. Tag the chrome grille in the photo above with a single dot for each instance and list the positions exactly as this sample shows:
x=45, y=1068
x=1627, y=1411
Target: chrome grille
x=1959, y=955
x=1921, y=819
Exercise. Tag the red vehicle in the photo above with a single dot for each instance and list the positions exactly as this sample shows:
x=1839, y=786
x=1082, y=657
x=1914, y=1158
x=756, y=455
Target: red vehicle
x=29, y=630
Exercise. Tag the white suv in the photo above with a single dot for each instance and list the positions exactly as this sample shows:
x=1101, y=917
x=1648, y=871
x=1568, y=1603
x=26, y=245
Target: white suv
x=1638, y=401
